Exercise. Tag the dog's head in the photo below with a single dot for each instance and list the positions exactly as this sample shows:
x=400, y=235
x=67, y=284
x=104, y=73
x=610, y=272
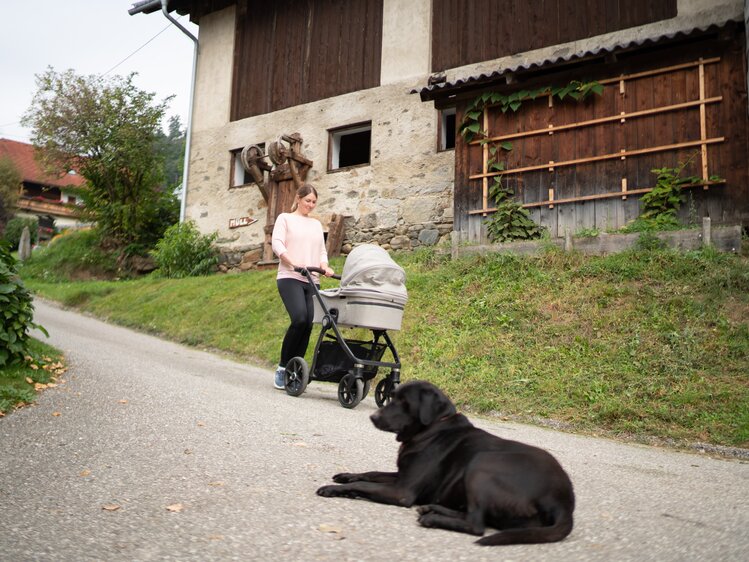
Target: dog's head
x=414, y=407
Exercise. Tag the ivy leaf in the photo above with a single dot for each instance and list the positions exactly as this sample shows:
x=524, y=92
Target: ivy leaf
x=514, y=105
x=506, y=145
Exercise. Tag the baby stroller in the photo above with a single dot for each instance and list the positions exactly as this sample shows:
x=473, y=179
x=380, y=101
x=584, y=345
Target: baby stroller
x=372, y=295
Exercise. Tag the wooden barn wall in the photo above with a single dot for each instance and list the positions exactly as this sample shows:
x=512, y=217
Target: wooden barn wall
x=725, y=202
x=479, y=30
x=291, y=52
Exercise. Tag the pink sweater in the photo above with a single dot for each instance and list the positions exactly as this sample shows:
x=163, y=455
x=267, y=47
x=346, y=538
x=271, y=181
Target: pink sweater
x=302, y=239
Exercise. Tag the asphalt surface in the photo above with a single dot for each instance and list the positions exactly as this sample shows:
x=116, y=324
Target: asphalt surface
x=154, y=451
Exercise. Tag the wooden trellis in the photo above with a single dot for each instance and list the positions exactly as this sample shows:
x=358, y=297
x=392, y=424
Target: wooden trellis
x=702, y=143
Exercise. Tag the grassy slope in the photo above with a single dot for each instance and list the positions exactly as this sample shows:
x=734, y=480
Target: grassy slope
x=651, y=343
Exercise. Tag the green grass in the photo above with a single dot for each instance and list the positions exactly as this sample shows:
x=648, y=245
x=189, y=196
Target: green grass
x=20, y=383
x=646, y=343
x=72, y=256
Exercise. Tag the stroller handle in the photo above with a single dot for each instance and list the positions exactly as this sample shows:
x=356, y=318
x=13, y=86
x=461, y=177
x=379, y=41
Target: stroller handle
x=306, y=271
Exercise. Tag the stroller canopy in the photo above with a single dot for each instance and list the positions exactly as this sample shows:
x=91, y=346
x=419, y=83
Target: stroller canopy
x=369, y=270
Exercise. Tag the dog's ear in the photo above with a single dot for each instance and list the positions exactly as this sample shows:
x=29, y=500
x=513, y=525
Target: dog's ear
x=433, y=405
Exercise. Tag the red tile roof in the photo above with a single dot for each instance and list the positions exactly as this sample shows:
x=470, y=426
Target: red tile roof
x=22, y=155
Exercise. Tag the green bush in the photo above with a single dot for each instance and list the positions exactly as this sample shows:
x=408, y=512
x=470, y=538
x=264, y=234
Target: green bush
x=184, y=252
x=14, y=229
x=17, y=314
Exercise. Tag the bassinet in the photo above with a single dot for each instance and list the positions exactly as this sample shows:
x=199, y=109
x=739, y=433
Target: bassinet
x=372, y=293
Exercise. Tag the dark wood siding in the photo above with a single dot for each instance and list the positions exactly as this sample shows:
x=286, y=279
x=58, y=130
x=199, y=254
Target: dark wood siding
x=290, y=52
x=593, y=187
x=465, y=32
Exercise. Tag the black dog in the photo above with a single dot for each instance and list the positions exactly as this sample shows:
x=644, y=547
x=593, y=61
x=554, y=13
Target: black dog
x=464, y=478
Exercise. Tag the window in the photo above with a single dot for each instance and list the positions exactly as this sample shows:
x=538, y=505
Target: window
x=349, y=146
x=240, y=176
x=447, y=129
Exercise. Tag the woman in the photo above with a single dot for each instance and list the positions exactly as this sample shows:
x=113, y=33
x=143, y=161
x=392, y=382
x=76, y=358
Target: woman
x=298, y=242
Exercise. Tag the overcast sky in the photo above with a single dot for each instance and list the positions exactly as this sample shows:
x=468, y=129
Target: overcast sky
x=90, y=37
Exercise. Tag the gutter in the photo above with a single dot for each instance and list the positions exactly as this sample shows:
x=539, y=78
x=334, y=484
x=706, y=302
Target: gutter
x=149, y=6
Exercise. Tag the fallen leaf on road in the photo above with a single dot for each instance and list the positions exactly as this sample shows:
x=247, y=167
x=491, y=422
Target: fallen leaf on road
x=201, y=424
x=39, y=386
x=122, y=401
x=29, y=380
x=175, y=507
x=110, y=507
x=218, y=483
x=334, y=532
x=215, y=537
x=56, y=414
x=85, y=472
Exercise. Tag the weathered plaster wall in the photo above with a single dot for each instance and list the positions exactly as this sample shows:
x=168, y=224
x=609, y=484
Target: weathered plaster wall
x=404, y=198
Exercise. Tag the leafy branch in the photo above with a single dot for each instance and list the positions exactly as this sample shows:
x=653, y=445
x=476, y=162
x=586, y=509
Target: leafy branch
x=470, y=126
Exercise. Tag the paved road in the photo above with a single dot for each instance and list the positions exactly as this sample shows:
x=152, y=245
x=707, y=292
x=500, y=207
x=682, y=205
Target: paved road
x=145, y=424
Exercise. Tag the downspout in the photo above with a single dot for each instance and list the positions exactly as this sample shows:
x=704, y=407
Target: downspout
x=150, y=6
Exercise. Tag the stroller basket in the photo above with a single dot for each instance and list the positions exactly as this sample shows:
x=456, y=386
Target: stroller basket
x=332, y=361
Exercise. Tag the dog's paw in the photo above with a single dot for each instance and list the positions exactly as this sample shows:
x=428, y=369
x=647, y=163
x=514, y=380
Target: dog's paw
x=344, y=477
x=424, y=509
x=328, y=491
x=427, y=519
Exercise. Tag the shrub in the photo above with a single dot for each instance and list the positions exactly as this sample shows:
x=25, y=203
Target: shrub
x=14, y=228
x=184, y=252
x=17, y=311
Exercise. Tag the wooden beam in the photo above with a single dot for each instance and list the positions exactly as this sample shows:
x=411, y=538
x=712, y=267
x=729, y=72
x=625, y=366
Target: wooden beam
x=703, y=125
x=551, y=129
x=622, y=154
x=551, y=202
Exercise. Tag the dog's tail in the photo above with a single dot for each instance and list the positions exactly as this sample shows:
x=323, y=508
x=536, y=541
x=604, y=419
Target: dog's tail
x=561, y=527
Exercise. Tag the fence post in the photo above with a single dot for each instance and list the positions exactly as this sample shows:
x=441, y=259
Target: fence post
x=567, y=240
x=707, y=235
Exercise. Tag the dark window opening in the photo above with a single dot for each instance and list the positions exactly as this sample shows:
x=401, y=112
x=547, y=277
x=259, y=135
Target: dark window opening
x=350, y=147
x=447, y=129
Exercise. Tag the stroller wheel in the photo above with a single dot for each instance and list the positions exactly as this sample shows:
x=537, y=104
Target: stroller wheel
x=350, y=391
x=297, y=376
x=384, y=392
x=367, y=386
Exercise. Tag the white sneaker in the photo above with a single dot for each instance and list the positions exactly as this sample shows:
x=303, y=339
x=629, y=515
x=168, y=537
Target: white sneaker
x=279, y=381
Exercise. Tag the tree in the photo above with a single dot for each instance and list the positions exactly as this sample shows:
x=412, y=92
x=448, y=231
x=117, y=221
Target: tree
x=10, y=186
x=106, y=130
x=172, y=148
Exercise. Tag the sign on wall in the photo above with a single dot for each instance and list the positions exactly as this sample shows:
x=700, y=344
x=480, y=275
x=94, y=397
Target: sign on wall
x=241, y=221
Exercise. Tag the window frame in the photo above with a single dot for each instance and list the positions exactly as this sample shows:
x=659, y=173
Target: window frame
x=334, y=140
x=442, y=128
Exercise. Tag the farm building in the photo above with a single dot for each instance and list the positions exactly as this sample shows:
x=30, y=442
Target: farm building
x=365, y=99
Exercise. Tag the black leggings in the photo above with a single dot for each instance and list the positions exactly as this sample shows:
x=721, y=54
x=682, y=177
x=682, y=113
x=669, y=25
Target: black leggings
x=297, y=298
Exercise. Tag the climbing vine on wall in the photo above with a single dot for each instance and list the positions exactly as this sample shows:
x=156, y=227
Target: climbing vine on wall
x=511, y=221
